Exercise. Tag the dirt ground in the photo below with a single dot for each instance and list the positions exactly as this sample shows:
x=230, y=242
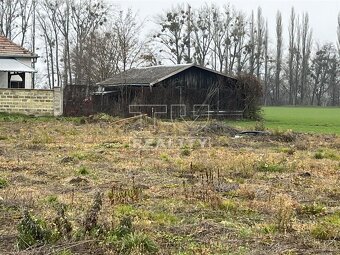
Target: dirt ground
x=188, y=189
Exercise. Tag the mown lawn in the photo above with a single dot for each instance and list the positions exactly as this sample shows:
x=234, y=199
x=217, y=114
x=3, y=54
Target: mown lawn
x=300, y=119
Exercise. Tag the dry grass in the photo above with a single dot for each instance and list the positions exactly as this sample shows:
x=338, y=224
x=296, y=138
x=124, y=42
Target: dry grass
x=254, y=195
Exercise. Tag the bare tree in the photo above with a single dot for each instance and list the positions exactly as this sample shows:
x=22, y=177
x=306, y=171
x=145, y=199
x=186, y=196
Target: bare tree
x=174, y=34
x=86, y=17
x=8, y=16
x=306, y=45
x=297, y=64
x=338, y=33
x=252, y=44
x=221, y=30
x=202, y=24
x=291, y=30
x=127, y=28
x=279, y=41
x=259, y=41
x=266, y=59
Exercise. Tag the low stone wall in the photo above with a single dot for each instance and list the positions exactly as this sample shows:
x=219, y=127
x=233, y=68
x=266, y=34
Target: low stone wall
x=31, y=101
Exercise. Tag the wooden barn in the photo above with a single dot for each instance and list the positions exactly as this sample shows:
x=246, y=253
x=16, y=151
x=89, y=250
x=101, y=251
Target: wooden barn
x=170, y=91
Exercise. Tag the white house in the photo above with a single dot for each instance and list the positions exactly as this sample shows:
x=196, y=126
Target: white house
x=16, y=65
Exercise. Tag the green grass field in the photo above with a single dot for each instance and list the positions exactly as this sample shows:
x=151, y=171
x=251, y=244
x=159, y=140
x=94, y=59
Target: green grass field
x=299, y=119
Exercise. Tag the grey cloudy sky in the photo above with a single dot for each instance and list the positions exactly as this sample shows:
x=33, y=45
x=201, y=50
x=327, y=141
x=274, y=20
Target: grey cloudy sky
x=323, y=13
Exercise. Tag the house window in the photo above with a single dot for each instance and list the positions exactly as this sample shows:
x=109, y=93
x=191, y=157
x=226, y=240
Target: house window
x=17, y=81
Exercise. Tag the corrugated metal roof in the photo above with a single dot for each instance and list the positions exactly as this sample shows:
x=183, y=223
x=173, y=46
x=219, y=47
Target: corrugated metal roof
x=10, y=49
x=13, y=65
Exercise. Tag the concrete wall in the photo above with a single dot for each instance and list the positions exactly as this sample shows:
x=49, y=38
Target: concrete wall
x=32, y=102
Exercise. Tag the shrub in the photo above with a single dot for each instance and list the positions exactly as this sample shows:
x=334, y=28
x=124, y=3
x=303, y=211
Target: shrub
x=33, y=231
x=250, y=92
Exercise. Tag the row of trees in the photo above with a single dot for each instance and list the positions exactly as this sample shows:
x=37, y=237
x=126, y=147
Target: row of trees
x=301, y=72
x=83, y=42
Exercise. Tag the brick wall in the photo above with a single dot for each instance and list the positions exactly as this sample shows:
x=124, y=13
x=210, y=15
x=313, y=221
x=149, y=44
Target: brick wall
x=27, y=101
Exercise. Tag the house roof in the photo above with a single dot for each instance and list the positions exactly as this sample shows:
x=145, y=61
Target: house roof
x=10, y=49
x=148, y=76
x=13, y=65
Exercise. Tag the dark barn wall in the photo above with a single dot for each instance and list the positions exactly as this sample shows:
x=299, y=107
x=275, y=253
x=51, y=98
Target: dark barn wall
x=191, y=87
x=78, y=100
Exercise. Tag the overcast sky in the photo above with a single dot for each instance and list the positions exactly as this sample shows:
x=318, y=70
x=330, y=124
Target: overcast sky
x=323, y=13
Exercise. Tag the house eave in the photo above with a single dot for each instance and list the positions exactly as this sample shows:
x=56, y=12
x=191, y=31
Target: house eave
x=18, y=56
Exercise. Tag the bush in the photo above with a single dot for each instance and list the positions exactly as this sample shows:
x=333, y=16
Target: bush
x=250, y=92
x=33, y=231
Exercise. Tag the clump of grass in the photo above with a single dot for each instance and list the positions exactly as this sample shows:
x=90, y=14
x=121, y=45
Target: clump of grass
x=83, y=170
x=243, y=169
x=52, y=199
x=185, y=150
x=284, y=212
x=270, y=167
x=43, y=138
x=328, y=228
x=122, y=195
x=284, y=136
x=321, y=154
x=228, y=205
x=128, y=241
x=165, y=157
x=80, y=155
x=164, y=218
x=312, y=209
x=3, y=183
x=289, y=151
x=268, y=229
x=2, y=137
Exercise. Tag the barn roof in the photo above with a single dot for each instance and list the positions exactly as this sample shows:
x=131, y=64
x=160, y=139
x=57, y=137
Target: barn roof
x=10, y=49
x=148, y=76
